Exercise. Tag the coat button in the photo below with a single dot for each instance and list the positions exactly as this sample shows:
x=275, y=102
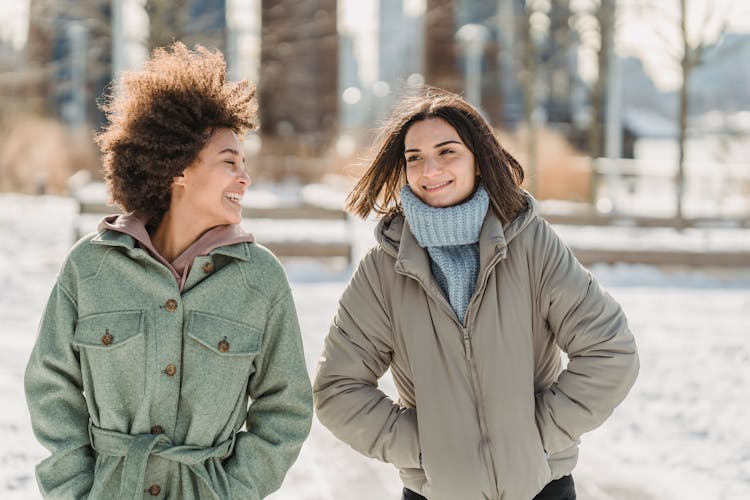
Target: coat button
x=157, y=429
x=170, y=370
x=107, y=338
x=208, y=267
x=154, y=490
x=170, y=305
x=223, y=345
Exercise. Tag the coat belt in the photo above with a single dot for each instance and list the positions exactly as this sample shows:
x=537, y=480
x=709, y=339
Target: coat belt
x=136, y=448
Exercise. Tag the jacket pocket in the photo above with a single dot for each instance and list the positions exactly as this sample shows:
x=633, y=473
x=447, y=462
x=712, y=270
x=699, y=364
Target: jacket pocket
x=113, y=356
x=218, y=361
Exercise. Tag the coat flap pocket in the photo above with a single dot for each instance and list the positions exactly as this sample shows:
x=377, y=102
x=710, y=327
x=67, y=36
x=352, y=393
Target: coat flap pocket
x=224, y=336
x=108, y=330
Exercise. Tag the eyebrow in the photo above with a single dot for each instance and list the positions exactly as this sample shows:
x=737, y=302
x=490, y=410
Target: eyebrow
x=450, y=141
x=230, y=150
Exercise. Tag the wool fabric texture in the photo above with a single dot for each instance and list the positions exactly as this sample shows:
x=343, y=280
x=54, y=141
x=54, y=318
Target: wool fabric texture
x=451, y=237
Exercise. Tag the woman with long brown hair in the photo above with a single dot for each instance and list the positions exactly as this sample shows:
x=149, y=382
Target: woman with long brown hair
x=469, y=298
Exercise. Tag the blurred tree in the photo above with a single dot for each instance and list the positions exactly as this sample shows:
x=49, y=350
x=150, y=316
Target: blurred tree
x=604, y=12
x=528, y=77
x=687, y=50
x=298, y=85
x=38, y=68
x=441, y=66
x=558, y=59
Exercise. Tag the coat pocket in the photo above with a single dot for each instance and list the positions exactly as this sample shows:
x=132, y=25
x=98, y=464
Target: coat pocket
x=218, y=361
x=113, y=356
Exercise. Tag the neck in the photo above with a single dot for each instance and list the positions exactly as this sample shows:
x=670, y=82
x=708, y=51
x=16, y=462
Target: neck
x=175, y=234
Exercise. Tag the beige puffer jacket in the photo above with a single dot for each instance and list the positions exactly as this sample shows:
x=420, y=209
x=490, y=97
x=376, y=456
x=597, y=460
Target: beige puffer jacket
x=485, y=409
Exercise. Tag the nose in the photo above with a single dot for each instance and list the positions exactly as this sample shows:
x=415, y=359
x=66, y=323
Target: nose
x=244, y=178
x=431, y=167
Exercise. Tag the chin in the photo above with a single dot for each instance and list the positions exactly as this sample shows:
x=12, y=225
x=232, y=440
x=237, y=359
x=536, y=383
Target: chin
x=441, y=203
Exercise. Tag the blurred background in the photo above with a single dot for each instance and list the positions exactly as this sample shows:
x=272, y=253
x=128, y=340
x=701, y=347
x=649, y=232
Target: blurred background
x=660, y=87
x=630, y=117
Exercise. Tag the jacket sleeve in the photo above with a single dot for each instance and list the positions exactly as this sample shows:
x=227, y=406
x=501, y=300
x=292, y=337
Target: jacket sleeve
x=54, y=394
x=589, y=325
x=357, y=351
x=280, y=415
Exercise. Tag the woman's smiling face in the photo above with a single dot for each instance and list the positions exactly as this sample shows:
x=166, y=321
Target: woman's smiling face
x=440, y=168
x=214, y=184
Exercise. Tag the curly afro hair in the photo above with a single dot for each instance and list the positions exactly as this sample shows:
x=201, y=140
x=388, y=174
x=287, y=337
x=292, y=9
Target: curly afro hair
x=159, y=120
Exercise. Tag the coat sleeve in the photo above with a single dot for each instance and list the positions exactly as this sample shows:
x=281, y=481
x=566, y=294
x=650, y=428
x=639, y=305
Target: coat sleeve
x=280, y=415
x=357, y=351
x=589, y=325
x=54, y=394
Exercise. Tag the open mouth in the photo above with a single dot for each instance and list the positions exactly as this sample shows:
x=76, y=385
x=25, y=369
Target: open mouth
x=436, y=187
x=233, y=197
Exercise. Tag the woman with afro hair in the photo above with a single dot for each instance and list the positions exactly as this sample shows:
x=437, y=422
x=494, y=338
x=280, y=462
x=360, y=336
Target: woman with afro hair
x=169, y=360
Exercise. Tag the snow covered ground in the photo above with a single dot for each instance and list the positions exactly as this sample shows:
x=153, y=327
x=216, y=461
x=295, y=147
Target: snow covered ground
x=683, y=432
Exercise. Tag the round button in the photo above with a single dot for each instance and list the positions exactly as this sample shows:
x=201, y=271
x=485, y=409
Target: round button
x=170, y=370
x=157, y=429
x=208, y=267
x=223, y=345
x=107, y=338
x=170, y=305
x=154, y=490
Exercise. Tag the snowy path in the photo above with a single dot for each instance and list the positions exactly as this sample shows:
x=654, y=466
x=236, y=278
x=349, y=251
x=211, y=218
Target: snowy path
x=682, y=433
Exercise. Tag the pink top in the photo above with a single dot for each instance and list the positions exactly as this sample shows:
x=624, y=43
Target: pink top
x=215, y=237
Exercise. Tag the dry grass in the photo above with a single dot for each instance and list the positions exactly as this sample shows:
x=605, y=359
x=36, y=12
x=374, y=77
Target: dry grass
x=38, y=155
x=562, y=172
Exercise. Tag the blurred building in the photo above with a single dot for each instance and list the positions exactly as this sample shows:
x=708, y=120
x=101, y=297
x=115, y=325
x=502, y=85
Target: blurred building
x=69, y=53
x=10, y=83
x=352, y=99
x=560, y=89
x=190, y=21
x=69, y=57
x=243, y=39
x=400, y=47
x=446, y=64
x=298, y=77
x=484, y=13
x=720, y=83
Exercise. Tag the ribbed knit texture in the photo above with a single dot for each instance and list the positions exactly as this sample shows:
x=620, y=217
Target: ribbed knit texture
x=451, y=237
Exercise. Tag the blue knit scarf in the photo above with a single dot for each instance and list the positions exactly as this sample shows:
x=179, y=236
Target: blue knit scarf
x=451, y=237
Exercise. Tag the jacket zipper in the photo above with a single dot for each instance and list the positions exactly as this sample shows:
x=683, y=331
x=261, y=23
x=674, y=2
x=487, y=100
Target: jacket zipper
x=475, y=386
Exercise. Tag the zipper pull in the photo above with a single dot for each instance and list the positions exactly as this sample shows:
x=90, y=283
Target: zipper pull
x=467, y=343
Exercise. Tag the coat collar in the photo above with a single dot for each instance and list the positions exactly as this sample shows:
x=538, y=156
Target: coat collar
x=112, y=238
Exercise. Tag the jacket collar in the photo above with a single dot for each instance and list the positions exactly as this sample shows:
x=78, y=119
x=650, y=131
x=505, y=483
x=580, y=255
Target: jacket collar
x=113, y=238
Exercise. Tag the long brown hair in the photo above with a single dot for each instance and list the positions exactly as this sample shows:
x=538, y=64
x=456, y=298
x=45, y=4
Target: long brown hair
x=379, y=187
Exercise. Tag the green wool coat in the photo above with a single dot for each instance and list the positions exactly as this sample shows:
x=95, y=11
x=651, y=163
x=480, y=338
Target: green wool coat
x=140, y=391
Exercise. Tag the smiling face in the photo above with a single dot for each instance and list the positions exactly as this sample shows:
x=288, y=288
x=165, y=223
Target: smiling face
x=209, y=191
x=440, y=169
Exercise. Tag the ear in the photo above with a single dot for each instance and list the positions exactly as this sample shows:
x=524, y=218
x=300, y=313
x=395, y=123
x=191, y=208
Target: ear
x=179, y=180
